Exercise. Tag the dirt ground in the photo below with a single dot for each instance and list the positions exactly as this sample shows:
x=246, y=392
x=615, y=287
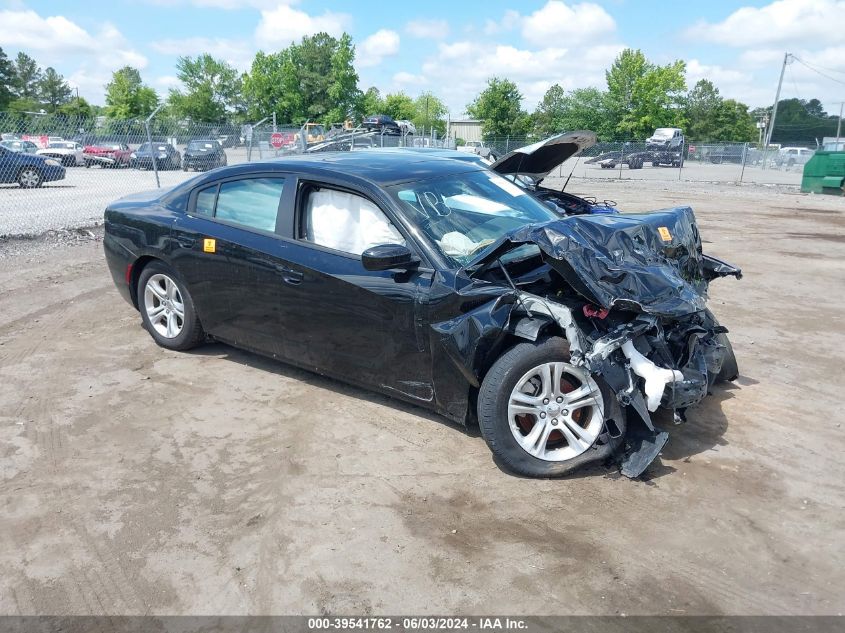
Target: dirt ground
x=141, y=481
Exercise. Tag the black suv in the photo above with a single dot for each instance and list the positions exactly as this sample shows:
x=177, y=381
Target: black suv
x=202, y=155
x=382, y=123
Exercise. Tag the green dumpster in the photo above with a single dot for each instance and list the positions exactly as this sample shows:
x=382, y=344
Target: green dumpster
x=824, y=173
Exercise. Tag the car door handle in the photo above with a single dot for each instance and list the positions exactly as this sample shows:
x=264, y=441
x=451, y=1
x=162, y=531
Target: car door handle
x=184, y=240
x=290, y=275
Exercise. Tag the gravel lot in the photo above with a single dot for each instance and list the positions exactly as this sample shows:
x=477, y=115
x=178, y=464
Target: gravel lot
x=79, y=199
x=137, y=480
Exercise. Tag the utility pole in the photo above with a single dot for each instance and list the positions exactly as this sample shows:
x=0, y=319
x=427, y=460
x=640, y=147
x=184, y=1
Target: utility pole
x=839, y=126
x=771, y=129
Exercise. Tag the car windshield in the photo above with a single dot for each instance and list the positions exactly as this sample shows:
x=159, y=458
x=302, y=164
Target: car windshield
x=663, y=132
x=464, y=214
x=146, y=148
x=201, y=145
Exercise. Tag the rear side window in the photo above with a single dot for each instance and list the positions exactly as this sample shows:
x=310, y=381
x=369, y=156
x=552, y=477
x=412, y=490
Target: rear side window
x=252, y=202
x=205, y=201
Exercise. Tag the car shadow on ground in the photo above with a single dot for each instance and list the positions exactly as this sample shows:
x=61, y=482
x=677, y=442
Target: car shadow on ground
x=281, y=368
x=704, y=430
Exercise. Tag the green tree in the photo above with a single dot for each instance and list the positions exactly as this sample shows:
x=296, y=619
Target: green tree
x=370, y=103
x=801, y=121
x=499, y=107
x=314, y=80
x=77, y=107
x=581, y=109
x=343, y=82
x=272, y=86
x=211, y=89
x=53, y=90
x=7, y=77
x=430, y=113
x=127, y=97
x=26, y=78
x=642, y=96
x=399, y=106
x=703, y=102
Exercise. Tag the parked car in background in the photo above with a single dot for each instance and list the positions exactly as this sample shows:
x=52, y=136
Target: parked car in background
x=162, y=155
x=382, y=123
x=791, y=156
x=8, y=136
x=21, y=146
x=728, y=153
x=203, y=155
x=28, y=170
x=107, y=155
x=443, y=284
x=406, y=126
x=68, y=153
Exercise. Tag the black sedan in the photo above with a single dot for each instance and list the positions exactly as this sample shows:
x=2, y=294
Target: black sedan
x=441, y=283
x=158, y=155
x=203, y=155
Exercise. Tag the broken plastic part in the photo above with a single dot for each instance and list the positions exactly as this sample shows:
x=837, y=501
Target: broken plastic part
x=656, y=378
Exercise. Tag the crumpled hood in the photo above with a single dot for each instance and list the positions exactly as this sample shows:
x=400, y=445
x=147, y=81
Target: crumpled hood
x=649, y=263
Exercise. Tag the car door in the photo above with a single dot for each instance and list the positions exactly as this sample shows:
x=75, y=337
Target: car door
x=364, y=326
x=229, y=254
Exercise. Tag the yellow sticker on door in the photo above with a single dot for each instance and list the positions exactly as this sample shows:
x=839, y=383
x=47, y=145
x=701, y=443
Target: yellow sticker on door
x=665, y=235
x=209, y=245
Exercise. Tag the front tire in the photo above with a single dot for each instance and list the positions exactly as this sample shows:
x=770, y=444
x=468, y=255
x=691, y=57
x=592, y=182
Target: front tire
x=30, y=178
x=542, y=416
x=167, y=309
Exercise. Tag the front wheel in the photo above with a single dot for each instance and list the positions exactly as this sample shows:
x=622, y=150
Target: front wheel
x=542, y=416
x=167, y=309
x=30, y=178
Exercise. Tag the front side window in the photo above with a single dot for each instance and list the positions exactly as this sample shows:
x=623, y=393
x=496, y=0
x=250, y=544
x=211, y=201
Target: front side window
x=464, y=214
x=345, y=222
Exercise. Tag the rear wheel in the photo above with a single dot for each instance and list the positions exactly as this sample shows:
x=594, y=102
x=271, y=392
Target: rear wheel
x=167, y=309
x=30, y=178
x=539, y=414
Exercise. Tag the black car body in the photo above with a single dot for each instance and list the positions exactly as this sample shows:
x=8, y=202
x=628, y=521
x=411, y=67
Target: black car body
x=440, y=283
x=381, y=122
x=203, y=155
x=164, y=154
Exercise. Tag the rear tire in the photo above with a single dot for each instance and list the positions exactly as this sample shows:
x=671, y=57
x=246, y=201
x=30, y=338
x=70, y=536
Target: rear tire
x=167, y=309
x=573, y=427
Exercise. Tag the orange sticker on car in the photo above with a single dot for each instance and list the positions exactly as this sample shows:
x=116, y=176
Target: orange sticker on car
x=665, y=235
x=209, y=245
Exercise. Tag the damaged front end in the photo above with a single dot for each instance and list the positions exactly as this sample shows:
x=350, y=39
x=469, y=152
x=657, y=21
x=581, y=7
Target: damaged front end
x=629, y=293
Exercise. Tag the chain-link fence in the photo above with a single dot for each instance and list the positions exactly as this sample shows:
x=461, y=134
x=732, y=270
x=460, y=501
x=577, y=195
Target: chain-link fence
x=696, y=162
x=58, y=172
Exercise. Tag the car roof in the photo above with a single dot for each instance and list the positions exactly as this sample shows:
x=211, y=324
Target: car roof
x=377, y=166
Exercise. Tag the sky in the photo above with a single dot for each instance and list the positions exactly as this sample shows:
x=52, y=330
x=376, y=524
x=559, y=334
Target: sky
x=450, y=48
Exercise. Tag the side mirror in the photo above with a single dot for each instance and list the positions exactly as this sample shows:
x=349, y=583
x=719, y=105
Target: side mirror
x=387, y=256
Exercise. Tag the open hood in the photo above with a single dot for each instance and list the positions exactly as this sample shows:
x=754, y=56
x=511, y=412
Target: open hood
x=538, y=159
x=650, y=263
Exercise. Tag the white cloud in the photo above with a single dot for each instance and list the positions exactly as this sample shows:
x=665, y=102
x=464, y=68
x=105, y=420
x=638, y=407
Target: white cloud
x=166, y=82
x=534, y=71
x=383, y=43
x=784, y=22
x=428, y=29
x=234, y=52
x=55, y=37
x=58, y=41
x=559, y=22
x=509, y=21
x=403, y=78
x=283, y=25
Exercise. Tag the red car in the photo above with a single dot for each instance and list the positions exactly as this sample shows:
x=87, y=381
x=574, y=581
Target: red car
x=107, y=155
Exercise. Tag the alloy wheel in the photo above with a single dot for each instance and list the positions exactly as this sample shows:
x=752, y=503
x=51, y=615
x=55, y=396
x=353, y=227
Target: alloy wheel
x=164, y=305
x=29, y=178
x=556, y=411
